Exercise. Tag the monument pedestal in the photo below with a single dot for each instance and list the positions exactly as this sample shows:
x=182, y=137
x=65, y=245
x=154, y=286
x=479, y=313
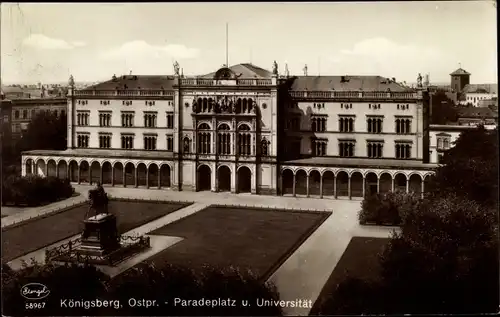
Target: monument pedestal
x=100, y=235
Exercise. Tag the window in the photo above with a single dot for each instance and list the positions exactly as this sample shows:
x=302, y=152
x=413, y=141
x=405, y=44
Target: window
x=374, y=149
x=318, y=124
x=127, y=102
x=264, y=147
x=104, y=119
x=403, y=126
x=244, y=140
x=403, y=150
x=204, y=139
x=149, y=103
x=82, y=140
x=33, y=114
x=83, y=102
x=25, y=114
x=346, y=105
x=373, y=106
x=374, y=124
x=150, y=142
x=319, y=105
x=127, y=119
x=443, y=142
x=105, y=102
x=82, y=118
x=127, y=141
x=318, y=147
x=104, y=141
x=170, y=120
x=224, y=140
x=170, y=142
x=150, y=120
x=346, y=123
x=16, y=114
x=403, y=107
x=346, y=148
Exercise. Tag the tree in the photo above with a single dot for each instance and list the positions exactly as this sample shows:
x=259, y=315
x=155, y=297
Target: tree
x=470, y=168
x=443, y=109
x=47, y=131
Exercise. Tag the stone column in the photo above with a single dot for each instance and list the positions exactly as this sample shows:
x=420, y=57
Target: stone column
x=46, y=169
x=293, y=190
x=124, y=176
x=159, y=177
x=34, y=168
x=136, y=174
x=393, y=184
x=79, y=173
x=57, y=170
x=68, y=172
x=90, y=174
x=422, y=188
x=334, y=186
x=349, y=187
x=112, y=176
x=364, y=186
x=101, y=176
x=147, y=178
x=378, y=185
x=307, y=186
x=407, y=185
x=321, y=186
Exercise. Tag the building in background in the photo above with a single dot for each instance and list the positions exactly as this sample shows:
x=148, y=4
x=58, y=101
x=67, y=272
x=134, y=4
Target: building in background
x=475, y=94
x=22, y=111
x=246, y=129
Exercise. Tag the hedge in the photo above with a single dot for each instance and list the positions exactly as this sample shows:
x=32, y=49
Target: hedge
x=85, y=283
x=34, y=190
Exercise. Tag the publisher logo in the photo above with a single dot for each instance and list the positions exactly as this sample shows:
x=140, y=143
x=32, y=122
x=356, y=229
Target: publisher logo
x=34, y=291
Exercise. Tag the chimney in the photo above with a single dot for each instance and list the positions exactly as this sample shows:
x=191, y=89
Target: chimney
x=394, y=79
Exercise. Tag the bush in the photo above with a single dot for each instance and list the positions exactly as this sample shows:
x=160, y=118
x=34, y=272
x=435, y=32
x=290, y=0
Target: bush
x=390, y=208
x=34, y=190
x=173, y=283
x=143, y=282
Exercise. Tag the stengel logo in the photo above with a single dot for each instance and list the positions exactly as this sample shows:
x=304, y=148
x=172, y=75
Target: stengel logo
x=34, y=291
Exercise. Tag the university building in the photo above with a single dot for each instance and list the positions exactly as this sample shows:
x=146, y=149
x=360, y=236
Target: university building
x=245, y=129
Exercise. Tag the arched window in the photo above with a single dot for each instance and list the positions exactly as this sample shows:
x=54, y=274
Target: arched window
x=244, y=140
x=204, y=139
x=224, y=140
x=186, y=146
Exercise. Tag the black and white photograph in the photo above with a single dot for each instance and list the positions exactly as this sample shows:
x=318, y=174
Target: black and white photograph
x=249, y=158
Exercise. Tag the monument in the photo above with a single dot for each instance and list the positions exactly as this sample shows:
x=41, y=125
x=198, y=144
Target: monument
x=100, y=234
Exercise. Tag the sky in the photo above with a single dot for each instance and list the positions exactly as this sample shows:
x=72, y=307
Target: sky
x=92, y=41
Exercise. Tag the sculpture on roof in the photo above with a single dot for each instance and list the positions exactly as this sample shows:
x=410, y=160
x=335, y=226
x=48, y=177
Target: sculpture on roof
x=176, y=68
x=275, y=68
x=71, y=81
x=287, y=72
x=305, y=70
x=419, y=80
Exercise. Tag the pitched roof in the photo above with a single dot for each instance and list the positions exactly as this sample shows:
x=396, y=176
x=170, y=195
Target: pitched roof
x=481, y=88
x=11, y=89
x=476, y=112
x=346, y=83
x=153, y=82
x=245, y=70
x=460, y=71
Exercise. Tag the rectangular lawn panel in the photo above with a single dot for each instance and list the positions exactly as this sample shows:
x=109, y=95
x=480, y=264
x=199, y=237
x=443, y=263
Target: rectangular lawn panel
x=40, y=232
x=360, y=260
x=245, y=238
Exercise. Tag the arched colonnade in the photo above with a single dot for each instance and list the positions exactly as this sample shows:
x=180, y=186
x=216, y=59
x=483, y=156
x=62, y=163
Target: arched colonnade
x=110, y=172
x=298, y=181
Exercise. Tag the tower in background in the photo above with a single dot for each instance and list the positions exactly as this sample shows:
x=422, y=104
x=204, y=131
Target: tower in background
x=459, y=79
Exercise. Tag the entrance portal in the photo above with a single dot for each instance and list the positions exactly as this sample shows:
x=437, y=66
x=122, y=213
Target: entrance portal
x=224, y=177
x=244, y=180
x=204, y=178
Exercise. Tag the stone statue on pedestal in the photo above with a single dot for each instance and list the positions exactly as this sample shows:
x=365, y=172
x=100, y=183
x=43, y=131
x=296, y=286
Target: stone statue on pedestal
x=419, y=80
x=176, y=68
x=98, y=201
x=275, y=68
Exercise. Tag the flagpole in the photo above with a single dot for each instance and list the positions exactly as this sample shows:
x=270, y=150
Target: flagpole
x=227, y=45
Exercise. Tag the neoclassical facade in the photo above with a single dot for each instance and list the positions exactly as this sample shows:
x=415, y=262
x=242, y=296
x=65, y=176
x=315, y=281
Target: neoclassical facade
x=244, y=129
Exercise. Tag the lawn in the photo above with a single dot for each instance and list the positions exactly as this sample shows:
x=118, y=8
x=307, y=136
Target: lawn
x=40, y=232
x=245, y=238
x=360, y=260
